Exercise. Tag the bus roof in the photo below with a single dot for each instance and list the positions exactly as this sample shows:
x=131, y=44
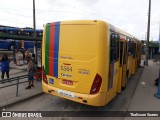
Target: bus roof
x=113, y=28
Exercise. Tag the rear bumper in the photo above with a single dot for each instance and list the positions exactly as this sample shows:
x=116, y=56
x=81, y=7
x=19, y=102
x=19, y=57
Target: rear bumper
x=94, y=100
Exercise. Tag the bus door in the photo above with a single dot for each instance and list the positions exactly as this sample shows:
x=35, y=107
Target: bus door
x=113, y=84
x=121, y=50
x=133, y=58
x=129, y=58
x=124, y=65
x=139, y=55
x=136, y=56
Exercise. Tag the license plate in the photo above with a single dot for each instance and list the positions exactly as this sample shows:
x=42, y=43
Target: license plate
x=67, y=82
x=66, y=93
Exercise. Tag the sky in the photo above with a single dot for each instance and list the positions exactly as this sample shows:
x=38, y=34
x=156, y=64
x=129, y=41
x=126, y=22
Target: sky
x=128, y=15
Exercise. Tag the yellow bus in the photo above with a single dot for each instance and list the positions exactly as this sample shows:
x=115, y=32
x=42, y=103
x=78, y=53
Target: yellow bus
x=85, y=60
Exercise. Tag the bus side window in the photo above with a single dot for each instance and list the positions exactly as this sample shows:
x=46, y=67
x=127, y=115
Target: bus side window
x=125, y=53
x=112, y=47
x=134, y=50
x=121, y=51
x=117, y=47
x=114, y=51
x=129, y=47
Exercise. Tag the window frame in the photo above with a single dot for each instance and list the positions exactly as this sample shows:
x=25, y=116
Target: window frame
x=114, y=47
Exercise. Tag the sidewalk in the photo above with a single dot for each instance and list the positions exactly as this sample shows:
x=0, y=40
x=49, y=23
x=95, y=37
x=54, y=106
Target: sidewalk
x=8, y=94
x=144, y=99
x=18, y=67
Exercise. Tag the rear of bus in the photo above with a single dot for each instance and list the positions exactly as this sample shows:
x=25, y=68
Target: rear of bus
x=70, y=61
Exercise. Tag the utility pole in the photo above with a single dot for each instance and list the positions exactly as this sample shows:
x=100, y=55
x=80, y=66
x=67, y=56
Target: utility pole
x=148, y=33
x=34, y=27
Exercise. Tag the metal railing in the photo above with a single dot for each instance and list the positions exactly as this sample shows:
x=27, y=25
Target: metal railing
x=17, y=79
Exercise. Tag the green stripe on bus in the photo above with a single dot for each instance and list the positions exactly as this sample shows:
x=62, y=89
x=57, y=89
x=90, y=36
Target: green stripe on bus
x=47, y=48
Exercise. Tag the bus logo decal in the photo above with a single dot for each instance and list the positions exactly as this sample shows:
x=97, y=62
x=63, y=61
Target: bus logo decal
x=66, y=75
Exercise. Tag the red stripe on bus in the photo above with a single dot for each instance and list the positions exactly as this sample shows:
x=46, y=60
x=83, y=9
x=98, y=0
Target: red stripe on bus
x=51, y=49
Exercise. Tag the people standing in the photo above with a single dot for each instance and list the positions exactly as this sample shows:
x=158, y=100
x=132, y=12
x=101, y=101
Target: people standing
x=34, y=65
x=5, y=66
x=30, y=73
x=23, y=52
x=14, y=49
x=34, y=58
x=26, y=54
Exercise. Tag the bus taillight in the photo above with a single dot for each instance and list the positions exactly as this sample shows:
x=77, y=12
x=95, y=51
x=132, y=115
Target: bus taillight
x=96, y=84
x=44, y=75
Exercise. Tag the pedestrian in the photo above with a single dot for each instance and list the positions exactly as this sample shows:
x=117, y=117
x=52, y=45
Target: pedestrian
x=26, y=54
x=30, y=73
x=5, y=66
x=23, y=52
x=15, y=56
x=34, y=59
x=34, y=65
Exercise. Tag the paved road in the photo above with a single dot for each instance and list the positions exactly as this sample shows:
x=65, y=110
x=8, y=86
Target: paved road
x=52, y=103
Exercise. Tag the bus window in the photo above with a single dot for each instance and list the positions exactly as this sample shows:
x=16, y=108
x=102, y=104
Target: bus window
x=121, y=52
x=134, y=50
x=125, y=53
x=129, y=47
x=114, y=52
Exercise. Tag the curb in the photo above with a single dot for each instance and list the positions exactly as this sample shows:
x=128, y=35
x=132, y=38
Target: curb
x=20, y=100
